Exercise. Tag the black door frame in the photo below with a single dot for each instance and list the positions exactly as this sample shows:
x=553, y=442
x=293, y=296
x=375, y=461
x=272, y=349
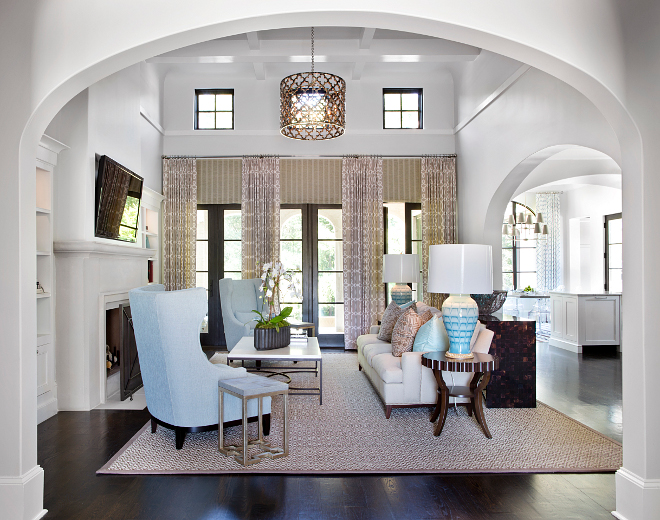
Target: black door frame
x=216, y=240
x=608, y=218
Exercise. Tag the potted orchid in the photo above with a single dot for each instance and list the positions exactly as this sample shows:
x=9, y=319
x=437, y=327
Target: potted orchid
x=272, y=330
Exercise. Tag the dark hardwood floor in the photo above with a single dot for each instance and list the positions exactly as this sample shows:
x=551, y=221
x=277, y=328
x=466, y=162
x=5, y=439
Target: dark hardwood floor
x=73, y=445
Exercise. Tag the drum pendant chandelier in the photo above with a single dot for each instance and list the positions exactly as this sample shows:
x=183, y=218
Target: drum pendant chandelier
x=312, y=105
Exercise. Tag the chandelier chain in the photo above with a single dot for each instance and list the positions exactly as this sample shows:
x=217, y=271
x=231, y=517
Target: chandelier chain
x=312, y=50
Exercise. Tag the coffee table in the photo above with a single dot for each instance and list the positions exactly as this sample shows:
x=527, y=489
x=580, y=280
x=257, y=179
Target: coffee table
x=298, y=350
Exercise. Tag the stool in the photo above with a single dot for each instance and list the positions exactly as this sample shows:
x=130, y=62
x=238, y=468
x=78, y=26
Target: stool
x=246, y=388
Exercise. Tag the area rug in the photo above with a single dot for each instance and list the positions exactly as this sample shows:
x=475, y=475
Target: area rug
x=349, y=434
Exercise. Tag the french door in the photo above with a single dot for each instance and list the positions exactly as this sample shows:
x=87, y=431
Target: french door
x=218, y=256
x=310, y=244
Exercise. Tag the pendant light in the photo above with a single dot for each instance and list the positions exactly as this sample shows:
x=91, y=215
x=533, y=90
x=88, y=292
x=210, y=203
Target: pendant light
x=312, y=105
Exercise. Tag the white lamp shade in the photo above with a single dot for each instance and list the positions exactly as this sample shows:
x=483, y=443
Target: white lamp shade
x=401, y=268
x=461, y=269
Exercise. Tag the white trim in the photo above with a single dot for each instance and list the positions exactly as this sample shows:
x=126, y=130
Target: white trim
x=51, y=144
x=651, y=483
x=151, y=121
x=389, y=131
x=23, y=479
x=497, y=93
x=47, y=410
x=151, y=198
x=85, y=247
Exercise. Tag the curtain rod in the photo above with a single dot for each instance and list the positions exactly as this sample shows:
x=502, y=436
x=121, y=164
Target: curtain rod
x=305, y=156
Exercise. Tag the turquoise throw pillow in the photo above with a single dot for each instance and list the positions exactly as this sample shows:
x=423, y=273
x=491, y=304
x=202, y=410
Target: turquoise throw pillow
x=432, y=337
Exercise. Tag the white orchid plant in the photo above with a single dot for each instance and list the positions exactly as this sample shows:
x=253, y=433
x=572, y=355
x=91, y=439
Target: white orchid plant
x=275, y=279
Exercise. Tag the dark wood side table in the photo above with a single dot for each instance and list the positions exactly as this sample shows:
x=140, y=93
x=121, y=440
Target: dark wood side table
x=481, y=364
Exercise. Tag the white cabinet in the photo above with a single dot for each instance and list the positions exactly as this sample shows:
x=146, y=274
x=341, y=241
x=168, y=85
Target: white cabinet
x=585, y=320
x=47, y=152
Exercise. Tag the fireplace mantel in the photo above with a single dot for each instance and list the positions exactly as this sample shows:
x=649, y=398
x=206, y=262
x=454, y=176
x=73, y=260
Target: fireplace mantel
x=85, y=247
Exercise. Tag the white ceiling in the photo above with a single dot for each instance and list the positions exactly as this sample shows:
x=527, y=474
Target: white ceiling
x=352, y=51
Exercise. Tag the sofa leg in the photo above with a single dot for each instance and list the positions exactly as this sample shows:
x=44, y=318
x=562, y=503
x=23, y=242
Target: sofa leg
x=265, y=424
x=180, y=435
x=359, y=367
x=469, y=408
x=388, y=411
x=154, y=425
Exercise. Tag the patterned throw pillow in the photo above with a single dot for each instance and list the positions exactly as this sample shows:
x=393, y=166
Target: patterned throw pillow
x=392, y=314
x=405, y=330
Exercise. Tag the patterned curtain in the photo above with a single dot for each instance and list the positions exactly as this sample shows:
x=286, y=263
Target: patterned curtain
x=362, y=224
x=548, y=254
x=180, y=190
x=439, y=213
x=260, y=213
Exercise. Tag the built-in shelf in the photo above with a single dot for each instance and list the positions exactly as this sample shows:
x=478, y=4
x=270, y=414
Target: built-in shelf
x=43, y=211
x=43, y=253
x=43, y=295
x=150, y=234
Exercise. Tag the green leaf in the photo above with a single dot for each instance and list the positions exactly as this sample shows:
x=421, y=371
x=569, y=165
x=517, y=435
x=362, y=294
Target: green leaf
x=286, y=312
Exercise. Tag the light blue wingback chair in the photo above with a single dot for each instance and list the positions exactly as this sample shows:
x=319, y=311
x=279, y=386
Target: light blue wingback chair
x=238, y=298
x=180, y=384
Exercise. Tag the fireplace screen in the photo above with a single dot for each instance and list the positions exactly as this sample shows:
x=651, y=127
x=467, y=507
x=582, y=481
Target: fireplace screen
x=129, y=364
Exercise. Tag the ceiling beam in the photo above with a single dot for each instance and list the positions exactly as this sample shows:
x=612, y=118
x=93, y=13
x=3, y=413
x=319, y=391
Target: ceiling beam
x=253, y=40
x=366, y=36
x=358, y=69
x=259, y=70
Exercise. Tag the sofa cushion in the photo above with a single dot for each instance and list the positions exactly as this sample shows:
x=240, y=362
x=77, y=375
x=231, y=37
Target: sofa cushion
x=432, y=337
x=405, y=330
x=368, y=339
x=388, y=322
x=477, y=329
x=388, y=368
x=374, y=349
x=422, y=308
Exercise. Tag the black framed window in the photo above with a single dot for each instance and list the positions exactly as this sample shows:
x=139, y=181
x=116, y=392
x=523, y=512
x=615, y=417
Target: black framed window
x=402, y=108
x=613, y=252
x=214, y=109
x=403, y=235
x=518, y=257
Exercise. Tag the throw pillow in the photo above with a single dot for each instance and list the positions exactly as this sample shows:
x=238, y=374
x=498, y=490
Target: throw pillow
x=392, y=314
x=422, y=308
x=406, y=305
x=432, y=337
x=405, y=330
x=477, y=329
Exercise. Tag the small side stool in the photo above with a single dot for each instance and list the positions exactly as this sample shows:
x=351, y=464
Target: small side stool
x=246, y=388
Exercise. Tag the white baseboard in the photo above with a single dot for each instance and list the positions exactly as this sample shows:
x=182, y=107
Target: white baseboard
x=22, y=498
x=46, y=410
x=636, y=498
x=566, y=345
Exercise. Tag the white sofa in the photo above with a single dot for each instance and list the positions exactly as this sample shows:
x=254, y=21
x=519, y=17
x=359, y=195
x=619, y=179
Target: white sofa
x=403, y=381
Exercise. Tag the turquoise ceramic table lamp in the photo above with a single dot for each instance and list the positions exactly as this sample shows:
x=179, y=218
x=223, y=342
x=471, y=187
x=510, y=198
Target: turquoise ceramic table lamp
x=401, y=270
x=460, y=269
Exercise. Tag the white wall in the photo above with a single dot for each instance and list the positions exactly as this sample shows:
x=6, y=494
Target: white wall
x=593, y=202
x=257, y=117
x=536, y=113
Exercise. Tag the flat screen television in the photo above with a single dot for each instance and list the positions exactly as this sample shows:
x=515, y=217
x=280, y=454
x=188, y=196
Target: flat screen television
x=118, y=194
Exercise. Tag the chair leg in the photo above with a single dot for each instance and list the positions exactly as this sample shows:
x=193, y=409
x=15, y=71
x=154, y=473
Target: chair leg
x=388, y=411
x=359, y=367
x=154, y=425
x=180, y=435
x=265, y=423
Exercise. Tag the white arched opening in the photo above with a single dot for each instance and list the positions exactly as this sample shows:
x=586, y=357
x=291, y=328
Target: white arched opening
x=64, y=62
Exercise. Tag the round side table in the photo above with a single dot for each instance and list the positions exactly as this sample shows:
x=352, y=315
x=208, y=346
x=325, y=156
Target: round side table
x=481, y=364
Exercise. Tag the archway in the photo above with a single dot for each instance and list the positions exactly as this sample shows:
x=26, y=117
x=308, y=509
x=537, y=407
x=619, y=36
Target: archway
x=461, y=24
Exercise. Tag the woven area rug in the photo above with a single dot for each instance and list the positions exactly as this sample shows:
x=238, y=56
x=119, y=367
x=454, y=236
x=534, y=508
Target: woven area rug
x=349, y=433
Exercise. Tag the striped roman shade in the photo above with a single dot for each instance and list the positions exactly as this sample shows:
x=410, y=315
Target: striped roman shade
x=306, y=181
x=219, y=181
